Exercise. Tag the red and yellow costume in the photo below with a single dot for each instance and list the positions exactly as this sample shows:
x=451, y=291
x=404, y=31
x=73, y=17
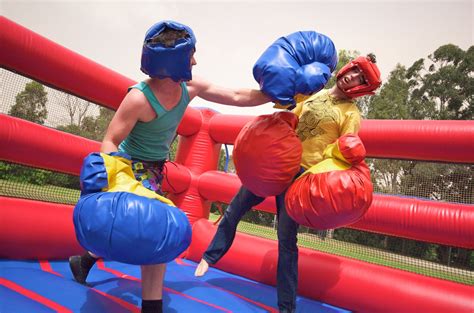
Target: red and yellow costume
x=323, y=119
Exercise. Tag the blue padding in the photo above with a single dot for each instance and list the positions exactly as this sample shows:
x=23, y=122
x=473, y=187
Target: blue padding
x=218, y=281
x=131, y=229
x=174, y=62
x=300, y=63
x=67, y=293
x=217, y=291
x=93, y=175
x=12, y=301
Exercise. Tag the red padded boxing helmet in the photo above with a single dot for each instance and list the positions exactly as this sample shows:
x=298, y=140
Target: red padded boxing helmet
x=371, y=73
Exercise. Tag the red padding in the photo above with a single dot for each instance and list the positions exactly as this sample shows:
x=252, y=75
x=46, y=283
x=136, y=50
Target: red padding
x=63, y=152
x=36, y=230
x=340, y=281
x=225, y=128
x=177, y=178
x=453, y=223
x=37, y=57
x=38, y=146
x=449, y=141
x=222, y=187
x=191, y=122
x=404, y=139
x=199, y=154
x=432, y=221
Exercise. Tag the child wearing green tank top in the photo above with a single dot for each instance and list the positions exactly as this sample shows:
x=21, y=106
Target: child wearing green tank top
x=146, y=121
x=151, y=140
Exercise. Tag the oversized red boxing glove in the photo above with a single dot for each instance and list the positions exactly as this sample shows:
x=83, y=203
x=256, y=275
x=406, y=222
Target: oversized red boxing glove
x=335, y=192
x=267, y=153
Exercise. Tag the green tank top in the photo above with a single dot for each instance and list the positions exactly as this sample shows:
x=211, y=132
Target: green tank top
x=151, y=141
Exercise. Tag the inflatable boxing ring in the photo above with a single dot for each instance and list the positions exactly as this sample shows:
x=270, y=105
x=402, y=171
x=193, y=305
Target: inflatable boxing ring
x=37, y=237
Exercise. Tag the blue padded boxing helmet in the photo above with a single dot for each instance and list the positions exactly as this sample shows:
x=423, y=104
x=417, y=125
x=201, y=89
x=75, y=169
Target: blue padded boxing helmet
x=300, y=63
x=161, y=61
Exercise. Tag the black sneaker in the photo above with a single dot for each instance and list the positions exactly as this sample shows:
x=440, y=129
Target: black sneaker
x=79, y=271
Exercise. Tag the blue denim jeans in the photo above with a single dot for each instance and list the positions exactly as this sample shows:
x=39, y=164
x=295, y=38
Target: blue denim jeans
x=287, y=271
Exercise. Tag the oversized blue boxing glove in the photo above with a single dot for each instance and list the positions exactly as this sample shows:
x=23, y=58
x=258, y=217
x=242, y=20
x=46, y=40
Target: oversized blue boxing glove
x=300, y=63
x=117, y=218
x=132, y=229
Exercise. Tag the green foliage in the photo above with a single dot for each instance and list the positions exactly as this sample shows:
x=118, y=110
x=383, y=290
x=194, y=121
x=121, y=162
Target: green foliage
x=259, y=217
x=71, y=128
x=19, y=173
x=392, y=101
x=90, y=127
x=30, y=104
x=360, y=237
x=445, y=182
x=457, y=257
x=441, y=88
x=386, y=175
x=173, y=149
x=98, y=126
x=24, y=174
x=445, y=90
x=222, y=161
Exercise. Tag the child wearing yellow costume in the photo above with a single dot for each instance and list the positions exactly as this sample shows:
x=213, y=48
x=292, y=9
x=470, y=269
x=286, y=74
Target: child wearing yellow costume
x=324, y=117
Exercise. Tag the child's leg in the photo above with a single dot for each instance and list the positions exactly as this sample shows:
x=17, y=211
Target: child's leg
x=152, y=287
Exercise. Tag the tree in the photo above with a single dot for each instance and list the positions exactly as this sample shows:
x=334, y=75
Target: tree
x=446, y=89
x=392, y=101
x=420, y=107
x=88, y=126
x=30, y=104
x=76, y=108
x=95, y=127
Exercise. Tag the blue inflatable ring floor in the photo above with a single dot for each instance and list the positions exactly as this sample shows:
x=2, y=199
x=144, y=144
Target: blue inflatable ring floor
x=48, y=286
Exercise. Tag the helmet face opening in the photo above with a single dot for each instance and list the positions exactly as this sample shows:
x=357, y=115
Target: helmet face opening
x=371, y=75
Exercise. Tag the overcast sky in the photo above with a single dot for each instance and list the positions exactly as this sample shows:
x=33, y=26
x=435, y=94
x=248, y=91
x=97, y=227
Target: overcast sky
x=232, y=35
